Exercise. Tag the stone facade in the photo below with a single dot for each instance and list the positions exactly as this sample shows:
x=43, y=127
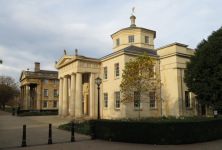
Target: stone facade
x=79, y=92
x=39, y=89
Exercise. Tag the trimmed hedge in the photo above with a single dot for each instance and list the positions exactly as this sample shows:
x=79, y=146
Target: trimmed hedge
x=37, y=113
x=158, y=132
x=53, y=111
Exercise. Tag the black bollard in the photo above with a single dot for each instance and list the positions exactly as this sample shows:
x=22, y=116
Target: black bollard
x=50, y=134
x=24, y=136
x=13, y=113
x=72, y=136
x=93, y=127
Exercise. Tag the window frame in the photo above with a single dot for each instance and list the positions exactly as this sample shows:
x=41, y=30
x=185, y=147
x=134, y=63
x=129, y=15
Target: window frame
x=131, y=39
x=46, y=92
x=152, y=100
x=46, y=81
x=188, y=103
x=117, y=104
x=56, y=92
x=152, y=71
x=105, y=73
x=147, y=42
x=56, y=82
x=117, y=42
x=54, y=104
x=105, y=98
x=44, y=104
x=116, y=70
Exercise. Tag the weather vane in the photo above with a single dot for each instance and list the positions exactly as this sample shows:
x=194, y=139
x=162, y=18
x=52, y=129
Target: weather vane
x=133, y=10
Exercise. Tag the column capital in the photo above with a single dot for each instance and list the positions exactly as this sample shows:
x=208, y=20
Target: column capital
x=73, y=73
x=79, y=72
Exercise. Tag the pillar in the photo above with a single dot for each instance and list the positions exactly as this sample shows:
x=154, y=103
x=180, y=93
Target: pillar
x=65, y=97
x=69, y=91
x=27, y=96
x=78, y=100
x=73, y=90
x=92, y=95
x=24, y=97
x=60, y=95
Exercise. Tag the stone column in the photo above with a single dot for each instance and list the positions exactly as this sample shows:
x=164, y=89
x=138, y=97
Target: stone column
x=27, y=96
x=69, y=89
x=78, y=100
x=92, y=95
x=60, y=96
x=65, y=97
x=73, y=90
x=24, y=97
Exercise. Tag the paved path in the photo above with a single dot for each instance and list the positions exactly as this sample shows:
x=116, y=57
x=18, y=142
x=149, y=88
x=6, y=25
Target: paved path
x=37, y=137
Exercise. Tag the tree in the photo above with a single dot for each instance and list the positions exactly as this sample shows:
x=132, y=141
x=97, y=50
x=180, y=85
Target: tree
x=203, y=74
x=137, y=77
x=8, y=89
x=0, y=61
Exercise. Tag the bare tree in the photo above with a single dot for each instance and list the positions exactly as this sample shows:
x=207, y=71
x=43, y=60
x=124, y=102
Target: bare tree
x=8, y=89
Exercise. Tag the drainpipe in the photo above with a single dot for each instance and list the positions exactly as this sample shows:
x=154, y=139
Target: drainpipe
x=160, y=105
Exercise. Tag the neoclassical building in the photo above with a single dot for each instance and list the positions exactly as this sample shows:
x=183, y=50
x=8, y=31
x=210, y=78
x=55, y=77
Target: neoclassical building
x=39, y=89
x=78, y=94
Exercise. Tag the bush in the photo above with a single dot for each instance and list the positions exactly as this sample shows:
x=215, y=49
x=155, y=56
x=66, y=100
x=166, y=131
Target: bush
x=37, y=113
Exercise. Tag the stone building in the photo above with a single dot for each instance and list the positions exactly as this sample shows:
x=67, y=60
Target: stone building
x=78, y=91
x=39, y=89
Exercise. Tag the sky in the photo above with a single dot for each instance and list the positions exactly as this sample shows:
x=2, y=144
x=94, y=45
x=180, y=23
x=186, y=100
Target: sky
x=39, y=30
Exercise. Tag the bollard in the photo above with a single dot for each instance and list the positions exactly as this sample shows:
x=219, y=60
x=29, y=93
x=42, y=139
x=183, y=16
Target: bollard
x=72, y=135
x=13, y=113
x=50, y=134
x=24, y=136
x=93, y=127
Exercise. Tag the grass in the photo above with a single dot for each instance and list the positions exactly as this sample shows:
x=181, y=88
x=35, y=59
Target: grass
x=82, y=127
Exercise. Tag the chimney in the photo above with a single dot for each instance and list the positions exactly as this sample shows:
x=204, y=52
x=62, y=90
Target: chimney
x=76, y=52
x=132, y=21
x=37, y=66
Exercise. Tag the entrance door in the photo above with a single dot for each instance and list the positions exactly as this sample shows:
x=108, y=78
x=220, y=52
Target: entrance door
x=203, y=110
x=87, y=104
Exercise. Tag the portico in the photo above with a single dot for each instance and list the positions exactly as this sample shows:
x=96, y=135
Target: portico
x=77, y=95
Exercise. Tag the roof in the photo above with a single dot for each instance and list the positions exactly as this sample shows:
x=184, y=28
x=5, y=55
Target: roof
x=133, y=49
x=128, y=28
x=46, y=71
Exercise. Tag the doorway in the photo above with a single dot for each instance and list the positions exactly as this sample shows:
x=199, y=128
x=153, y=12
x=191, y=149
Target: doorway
x=87, y=104
x=203, y=109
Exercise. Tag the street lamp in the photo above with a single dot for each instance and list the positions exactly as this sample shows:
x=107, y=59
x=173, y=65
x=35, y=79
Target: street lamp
x=98, y=82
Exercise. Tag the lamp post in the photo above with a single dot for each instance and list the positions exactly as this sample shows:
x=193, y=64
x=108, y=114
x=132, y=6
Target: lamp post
x=98, y=82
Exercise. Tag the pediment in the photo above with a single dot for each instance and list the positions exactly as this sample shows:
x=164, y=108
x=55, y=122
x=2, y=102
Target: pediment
x=64, y=60
x=22, y=76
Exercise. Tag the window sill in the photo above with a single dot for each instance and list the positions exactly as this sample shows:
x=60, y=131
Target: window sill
x=106, y=108
x=136, y=109
x=45, y=96
x=189, y=108
x=117, y=109
x=105, y=80
x=116, y=78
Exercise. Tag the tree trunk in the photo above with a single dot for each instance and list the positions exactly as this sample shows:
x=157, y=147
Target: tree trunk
x=3, y=106
x=139, y=111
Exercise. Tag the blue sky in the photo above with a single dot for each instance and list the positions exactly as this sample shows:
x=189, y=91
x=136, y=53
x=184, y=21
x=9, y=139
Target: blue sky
x=39, y=30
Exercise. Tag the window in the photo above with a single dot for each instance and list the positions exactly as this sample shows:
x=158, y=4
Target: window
x=105, y=73
x=152, y=70
x=131, y=39
x=55, y=103
x=187, y=98
x=56, y=82
x=117, y=70
x=152, y=100
x=45, y=81
x=136, y=99
x=55, y=92
x=117, y=98
x=45, y=104
x=146, y=39
x=117, y=42
x=45, y=92
x=105, y=100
